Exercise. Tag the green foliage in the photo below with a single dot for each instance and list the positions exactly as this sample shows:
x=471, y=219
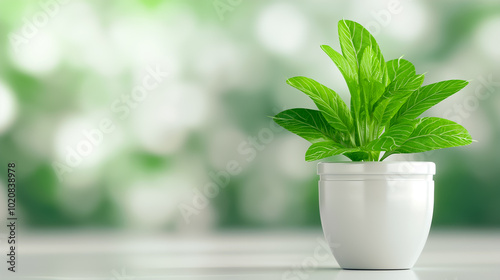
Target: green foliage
x=386, y=100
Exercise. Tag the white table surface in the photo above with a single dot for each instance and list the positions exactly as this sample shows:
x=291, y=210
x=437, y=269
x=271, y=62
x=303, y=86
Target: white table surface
x=448, y=255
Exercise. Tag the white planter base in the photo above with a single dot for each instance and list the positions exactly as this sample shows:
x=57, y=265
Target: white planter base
x=376, y=215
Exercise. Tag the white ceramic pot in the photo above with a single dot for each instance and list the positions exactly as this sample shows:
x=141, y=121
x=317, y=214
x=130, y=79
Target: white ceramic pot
x=376, y=215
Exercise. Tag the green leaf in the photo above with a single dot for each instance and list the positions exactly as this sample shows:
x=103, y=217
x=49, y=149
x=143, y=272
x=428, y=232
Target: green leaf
x=371, y=78
x=404, y=81
x=308, y=124
x=328, y=101
x=370, y=66
x=394, y=137
x=379, y=110
x=354, y=38
x=426, y=97
x=349, y=72
x=325, y=149
x=435, y=133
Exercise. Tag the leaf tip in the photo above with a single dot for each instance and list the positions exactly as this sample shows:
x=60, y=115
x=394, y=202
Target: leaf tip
x=343, y=21
x=325, y=47
x=289, y=80
x=308, y=157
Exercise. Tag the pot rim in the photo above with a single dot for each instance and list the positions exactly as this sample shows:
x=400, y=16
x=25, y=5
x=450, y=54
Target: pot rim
x=377, y=167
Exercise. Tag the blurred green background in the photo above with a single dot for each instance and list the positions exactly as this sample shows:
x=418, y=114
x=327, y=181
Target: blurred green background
x=67, y=66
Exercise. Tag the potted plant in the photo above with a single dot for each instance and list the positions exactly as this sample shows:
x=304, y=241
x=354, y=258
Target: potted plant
x=374, y=214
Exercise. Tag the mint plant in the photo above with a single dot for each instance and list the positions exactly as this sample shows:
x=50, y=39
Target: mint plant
x=386, y=100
